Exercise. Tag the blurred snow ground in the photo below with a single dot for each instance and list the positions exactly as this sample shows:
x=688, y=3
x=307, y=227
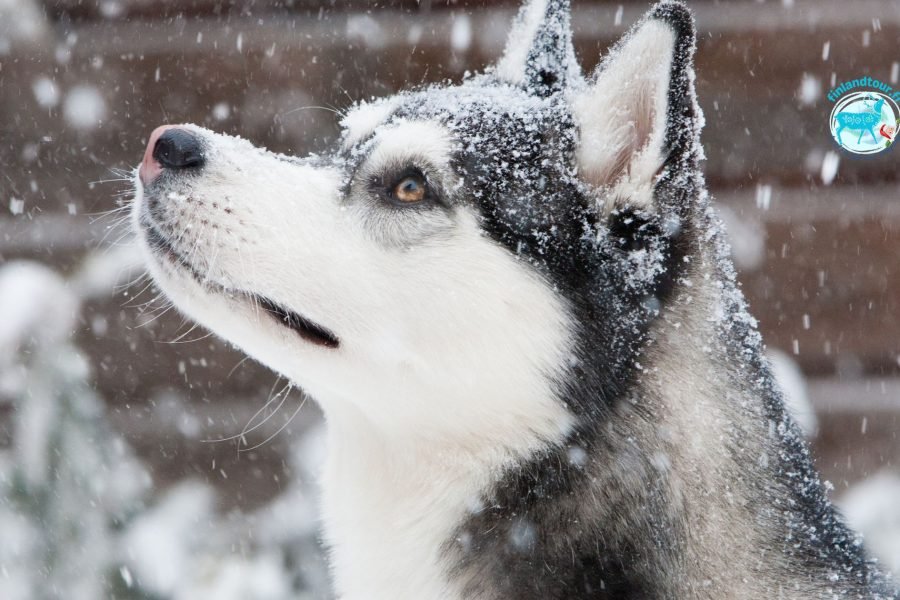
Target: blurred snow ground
x=79, y=516
x=872, y=508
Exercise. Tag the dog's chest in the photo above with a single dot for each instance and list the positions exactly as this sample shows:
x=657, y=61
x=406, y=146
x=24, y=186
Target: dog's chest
x=388, y=518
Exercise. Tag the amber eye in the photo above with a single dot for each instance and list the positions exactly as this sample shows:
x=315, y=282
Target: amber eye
x=410, y=189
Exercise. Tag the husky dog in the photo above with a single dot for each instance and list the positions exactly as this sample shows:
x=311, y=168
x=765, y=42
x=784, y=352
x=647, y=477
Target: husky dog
x=515, y=306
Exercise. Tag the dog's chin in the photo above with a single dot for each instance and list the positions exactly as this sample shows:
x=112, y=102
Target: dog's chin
x=183, y=282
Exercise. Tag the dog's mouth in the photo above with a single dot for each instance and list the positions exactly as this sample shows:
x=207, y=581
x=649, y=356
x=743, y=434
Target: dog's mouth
x=161, y=246
x=308, y=330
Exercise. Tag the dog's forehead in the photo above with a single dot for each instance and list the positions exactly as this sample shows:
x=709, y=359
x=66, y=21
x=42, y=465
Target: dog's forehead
x=474, y=112
x=476, y=107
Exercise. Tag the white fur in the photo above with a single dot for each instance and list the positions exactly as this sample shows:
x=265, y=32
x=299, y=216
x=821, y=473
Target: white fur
x=410, y=140
x=361, y=122
x=621, y=117
x=511, y=67
x=448, y=345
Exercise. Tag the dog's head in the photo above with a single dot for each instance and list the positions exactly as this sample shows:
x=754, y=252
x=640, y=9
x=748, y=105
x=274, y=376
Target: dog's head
x=463, y=246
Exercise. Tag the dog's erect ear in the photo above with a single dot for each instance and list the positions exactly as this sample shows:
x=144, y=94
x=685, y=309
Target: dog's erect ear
x=539, y=54
x=638, y=119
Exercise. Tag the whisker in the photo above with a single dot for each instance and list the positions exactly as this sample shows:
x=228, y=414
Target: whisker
x=121, y=287
x=109, y=180
x=280, y=429
x=150, y=282
x=299, y=108
x=182, y=336
x=235, y=367
x=247, y=428
x=157, y=316
x=199, y=339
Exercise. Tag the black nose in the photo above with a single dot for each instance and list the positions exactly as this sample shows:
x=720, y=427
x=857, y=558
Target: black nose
x=178, y=149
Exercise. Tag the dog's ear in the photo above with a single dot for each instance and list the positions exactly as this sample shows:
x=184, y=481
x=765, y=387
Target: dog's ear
x=638, y=120
x=539, y=55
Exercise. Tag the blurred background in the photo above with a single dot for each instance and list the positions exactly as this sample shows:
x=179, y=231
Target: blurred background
x=141, y=458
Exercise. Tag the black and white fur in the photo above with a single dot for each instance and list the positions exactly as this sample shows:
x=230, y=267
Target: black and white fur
x=541, y=381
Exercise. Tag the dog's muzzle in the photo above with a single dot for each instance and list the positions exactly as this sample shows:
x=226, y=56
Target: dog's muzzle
x=170, y=147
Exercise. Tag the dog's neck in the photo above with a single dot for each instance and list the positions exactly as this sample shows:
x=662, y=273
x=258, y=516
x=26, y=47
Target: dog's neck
x=392, y=503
